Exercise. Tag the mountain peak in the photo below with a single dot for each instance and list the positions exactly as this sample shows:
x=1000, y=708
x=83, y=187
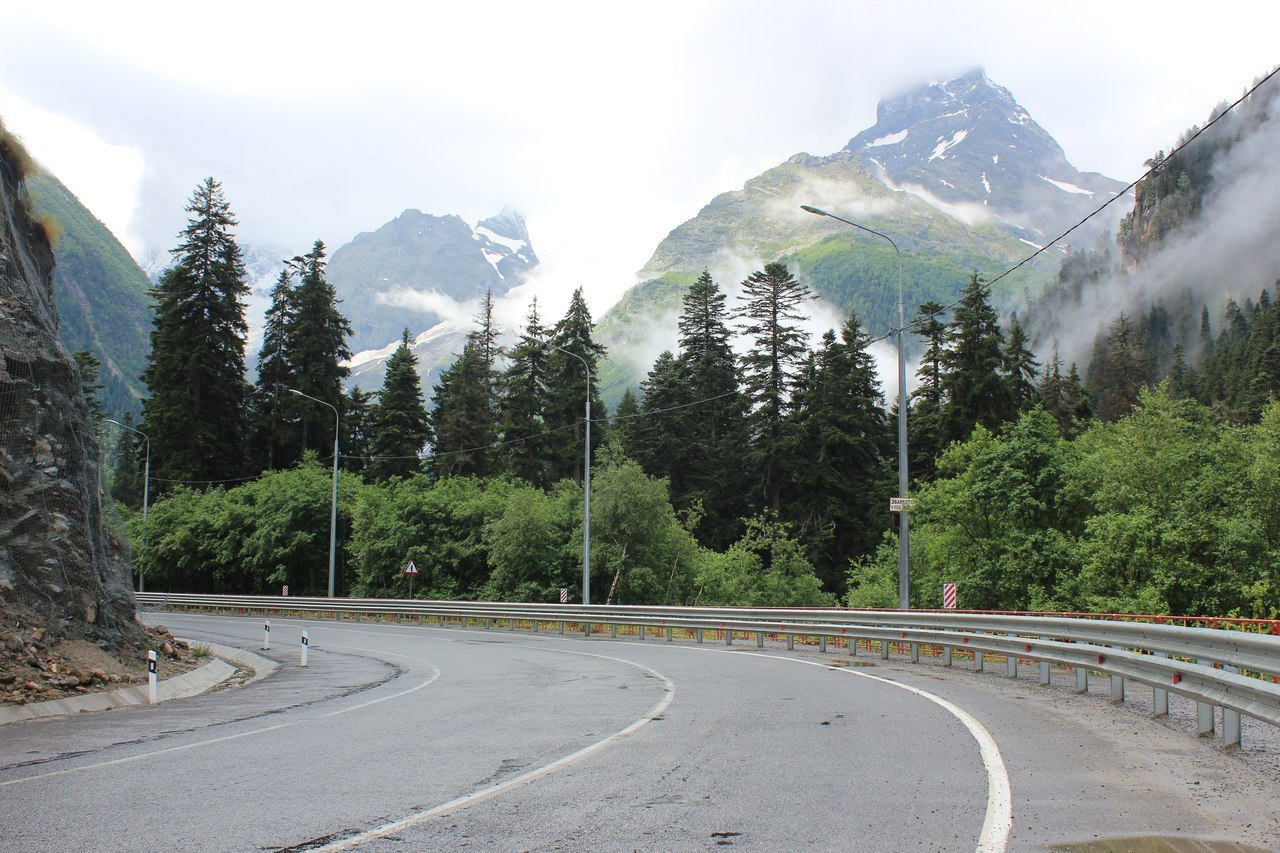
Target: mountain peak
x=968, y=141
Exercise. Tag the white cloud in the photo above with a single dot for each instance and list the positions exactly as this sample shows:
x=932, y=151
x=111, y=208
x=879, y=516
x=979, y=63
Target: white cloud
x=105, y=177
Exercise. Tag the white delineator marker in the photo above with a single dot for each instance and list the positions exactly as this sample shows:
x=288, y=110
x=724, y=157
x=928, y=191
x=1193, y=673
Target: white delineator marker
x=266, y=635
x=306, y=644
x=152, y=680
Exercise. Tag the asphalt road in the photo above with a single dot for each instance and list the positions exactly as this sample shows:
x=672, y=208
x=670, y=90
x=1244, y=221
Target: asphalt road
x=408, y=737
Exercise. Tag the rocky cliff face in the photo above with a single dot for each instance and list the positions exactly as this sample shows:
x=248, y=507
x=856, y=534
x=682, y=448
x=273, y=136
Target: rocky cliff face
x=62, y=573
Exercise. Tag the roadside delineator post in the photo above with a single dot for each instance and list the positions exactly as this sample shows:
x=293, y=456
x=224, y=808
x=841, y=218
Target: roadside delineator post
x=266, y=635
x=306, y=644
x=152, y=679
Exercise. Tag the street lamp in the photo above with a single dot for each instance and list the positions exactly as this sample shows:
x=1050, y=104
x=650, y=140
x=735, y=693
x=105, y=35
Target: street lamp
x=586, y=480
x=333, y=516
x=904, y=526
x=146, y=494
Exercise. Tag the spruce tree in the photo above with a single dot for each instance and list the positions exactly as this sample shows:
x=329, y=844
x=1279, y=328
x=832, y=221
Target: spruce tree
x=1021, y=367
x=461, y=421
x=195, y=415
x=974, y=384
x=925, y=422
x=357, y=429
x=275, y=440
x=623, y=424
x=1064, y=397
x=316, y=347
x=399, y=430
x=661, y=443
x=771, y=368
x=845, y=467
x=567, y=383
x=1119, y=371
x=715, y=424
x=522, y=404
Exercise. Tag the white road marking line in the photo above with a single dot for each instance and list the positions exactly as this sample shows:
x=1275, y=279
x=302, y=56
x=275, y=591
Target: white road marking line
x=998, y=822
x=435, y=674
x=493, y=790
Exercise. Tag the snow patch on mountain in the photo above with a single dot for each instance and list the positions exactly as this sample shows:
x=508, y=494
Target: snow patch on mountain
x=891, y=139
x=1067, y=187
x=944, y=146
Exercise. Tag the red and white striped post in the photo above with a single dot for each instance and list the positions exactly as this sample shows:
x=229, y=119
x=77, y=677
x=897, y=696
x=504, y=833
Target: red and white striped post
x=949, y=596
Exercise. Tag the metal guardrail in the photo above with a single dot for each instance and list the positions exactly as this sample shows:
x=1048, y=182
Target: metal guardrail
x=1235, y=671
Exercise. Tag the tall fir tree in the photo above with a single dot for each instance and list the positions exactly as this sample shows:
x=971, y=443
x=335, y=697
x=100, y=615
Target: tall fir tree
x=567, y=402
x=716, y=422
x=1119, y=371
x=275, y=441
x=195, y=416
x=844, y=468
x=316, y=347
x=924, y=423
x=400, y=430
x=771, y=368
x=660, y=440
x=357, y=429
x=522, y=405
x=1021, y=367
x=974, y=385
x=1064, y=397
x=461, y=419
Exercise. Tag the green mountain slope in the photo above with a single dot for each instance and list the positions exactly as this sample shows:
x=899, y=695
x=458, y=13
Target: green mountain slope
x=101, y=294
x=740, y=231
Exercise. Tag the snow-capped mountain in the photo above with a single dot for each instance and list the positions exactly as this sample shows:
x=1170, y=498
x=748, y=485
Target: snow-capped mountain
x=427, y=274
x=959, y=174
x=967, y=141
x=418, y=270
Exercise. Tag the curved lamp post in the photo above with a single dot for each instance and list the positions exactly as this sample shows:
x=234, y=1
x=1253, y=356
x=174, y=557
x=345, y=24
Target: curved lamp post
x=333, y=516
x=146, y=494
x=586, y=478
x=904, y=531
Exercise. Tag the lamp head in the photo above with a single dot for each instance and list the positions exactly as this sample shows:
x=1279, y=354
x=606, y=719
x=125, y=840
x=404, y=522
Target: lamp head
x=814, y=210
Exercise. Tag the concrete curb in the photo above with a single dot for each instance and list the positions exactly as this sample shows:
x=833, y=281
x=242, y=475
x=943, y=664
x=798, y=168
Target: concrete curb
x=179, y=687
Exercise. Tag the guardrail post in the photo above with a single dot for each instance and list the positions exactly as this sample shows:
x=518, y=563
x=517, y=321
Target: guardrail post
x=791, y=642
x=586, y=629
x=697, y=633
x=1011, y=666
x=822, y=642
x=640, y=633
x=728, y=637
x=853, y=647
x=759, y=639
x=1082, y=679
x=1204, y=713
x=1231, y=720
x=561, y=626
x=915, y=653
x=671, y=634
x=535, y=625
x=1204, y=720
x=613, y=631
x=440, y=619
x=1159, y=696
x=1117, y=690
x=946, y=656
x=977, y=661
x=1044, y=672
x=884, y=649
x=488, y=623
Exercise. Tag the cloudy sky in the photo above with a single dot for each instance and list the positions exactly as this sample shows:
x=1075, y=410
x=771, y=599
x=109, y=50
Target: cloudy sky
x=605, y=124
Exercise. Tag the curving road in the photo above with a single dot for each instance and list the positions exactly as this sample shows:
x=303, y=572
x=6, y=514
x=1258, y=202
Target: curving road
x=408, y=737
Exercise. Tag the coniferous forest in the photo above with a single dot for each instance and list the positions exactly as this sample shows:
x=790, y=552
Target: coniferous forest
x=752, y=466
